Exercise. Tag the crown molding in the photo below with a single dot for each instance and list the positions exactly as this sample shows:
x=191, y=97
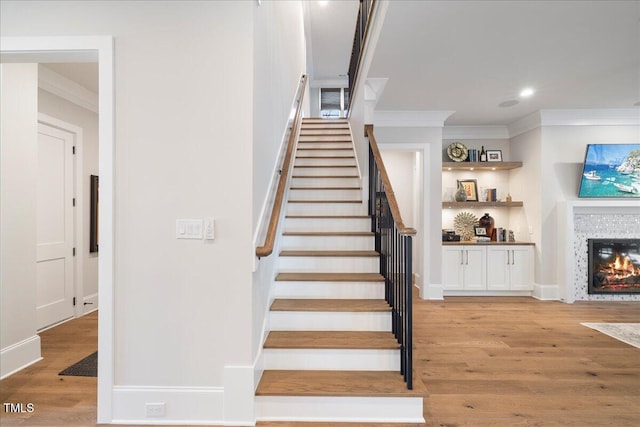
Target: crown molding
x=591, y=117
x=411, y=118
x=67, y=89
x=475, y=132
x=576, y=117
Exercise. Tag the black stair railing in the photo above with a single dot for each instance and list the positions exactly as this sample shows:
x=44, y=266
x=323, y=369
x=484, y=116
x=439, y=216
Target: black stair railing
x=358, y=44
x=393, y=241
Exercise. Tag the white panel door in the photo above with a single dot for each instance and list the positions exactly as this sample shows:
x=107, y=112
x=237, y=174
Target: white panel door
x=55, y=224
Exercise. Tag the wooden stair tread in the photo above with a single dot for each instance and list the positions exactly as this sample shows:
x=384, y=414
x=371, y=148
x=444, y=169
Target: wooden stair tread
x=295, y=253
x=330, y=277
x=335, y=383
x=329, y=233
x=326, y=188
x=329, y=216
x=326, y=140
x=331, y=305
x=326, y=149
x=324, y=201
x=344, y=340
x=325, y=176
x=325, y=157
x=324, y=166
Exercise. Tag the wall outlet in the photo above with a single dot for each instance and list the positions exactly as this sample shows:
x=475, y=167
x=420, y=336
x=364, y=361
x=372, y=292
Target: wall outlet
x=155, y=409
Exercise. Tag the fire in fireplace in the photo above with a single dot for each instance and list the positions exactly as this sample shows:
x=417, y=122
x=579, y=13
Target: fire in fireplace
x=614, y=266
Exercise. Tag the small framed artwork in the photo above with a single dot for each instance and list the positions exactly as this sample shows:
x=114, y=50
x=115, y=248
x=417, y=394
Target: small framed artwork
x=471, y=188
x=481, y=231
x=494, y=155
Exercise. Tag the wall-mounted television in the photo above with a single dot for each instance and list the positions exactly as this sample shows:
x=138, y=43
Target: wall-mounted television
x=611, y=170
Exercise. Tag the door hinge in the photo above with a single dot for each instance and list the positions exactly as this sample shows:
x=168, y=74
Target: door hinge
x=74, y=251
x=74, y=301
x=73, y=150
x=74, y=201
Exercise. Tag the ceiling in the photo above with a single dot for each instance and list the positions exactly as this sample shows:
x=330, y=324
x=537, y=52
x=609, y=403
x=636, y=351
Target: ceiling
x=330, y=27
x=85, y=73
x=470, y=56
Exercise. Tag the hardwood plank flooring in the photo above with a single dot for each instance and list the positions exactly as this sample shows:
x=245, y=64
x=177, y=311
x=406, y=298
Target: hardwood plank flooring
x=484, y=361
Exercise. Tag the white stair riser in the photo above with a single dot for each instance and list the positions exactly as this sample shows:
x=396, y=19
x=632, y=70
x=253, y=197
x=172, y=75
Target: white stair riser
x=325, y=162
x=325, y=171
x=329, y=264
x=331, y=359
x=325, y=182
x=325, y=132
x=329, y=321
x=339, y=409
x=331, y=138
x=321, y=153
x=331, y=290
x=338, y=243
x=324, y=194
x=326, y=209
x=327, y=224
x=336, y=144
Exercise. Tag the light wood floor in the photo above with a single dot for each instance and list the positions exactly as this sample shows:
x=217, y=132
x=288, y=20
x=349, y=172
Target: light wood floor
x=483, y=362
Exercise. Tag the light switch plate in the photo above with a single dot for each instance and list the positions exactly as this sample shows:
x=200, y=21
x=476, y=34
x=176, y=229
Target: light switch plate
x=189, y=228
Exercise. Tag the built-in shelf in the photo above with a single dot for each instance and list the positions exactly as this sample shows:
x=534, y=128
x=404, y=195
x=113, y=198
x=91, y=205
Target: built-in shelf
x=479, y=205
x=480, y=166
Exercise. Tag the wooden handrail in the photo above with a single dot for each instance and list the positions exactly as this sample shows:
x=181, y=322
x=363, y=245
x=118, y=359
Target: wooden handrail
x=269, y=241
x=391, y=197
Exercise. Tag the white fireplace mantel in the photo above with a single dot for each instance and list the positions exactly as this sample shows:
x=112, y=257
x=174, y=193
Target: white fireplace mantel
x=567, y=211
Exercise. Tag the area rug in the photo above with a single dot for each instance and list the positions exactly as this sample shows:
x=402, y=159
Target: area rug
x=87, y=367
x=625, y=332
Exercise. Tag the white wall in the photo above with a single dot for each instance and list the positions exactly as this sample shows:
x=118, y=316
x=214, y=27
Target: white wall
x=428, y=142
x=183, y=73
x=19, y=344
x=61, y=109
x=280, y=60
x=563, y=150
x=401, y=168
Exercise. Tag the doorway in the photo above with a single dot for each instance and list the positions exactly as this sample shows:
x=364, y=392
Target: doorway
x=81, y=49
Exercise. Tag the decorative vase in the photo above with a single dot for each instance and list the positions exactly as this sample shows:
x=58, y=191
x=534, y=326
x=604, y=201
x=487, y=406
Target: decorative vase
x=489, y=222
x=461, y=193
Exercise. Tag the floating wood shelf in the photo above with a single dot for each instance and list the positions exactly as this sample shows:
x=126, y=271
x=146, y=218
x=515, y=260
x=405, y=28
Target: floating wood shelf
x=479, y=205
x=480, y=166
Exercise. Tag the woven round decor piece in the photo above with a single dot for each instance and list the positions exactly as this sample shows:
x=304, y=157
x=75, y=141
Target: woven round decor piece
x=457, y=152
x=463, y=224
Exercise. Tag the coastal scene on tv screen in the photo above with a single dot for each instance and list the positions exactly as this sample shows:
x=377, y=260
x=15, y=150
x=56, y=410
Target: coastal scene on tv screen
x=611, y=170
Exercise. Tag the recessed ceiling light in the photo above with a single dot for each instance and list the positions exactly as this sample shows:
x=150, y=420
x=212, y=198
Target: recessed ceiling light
x=509, y=103
x=323, y=2
x=527, y=92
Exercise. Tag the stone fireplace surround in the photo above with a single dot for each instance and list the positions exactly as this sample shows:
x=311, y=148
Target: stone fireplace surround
x=580, y=220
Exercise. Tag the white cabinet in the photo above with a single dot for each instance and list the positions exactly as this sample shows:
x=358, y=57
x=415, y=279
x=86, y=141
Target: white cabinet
x=487, y=267
x=463, y=267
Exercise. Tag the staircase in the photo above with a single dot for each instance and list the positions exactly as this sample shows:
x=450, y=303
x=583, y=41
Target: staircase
x=330, y=354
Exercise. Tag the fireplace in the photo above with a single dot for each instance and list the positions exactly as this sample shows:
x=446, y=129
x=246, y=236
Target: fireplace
x=614, y=266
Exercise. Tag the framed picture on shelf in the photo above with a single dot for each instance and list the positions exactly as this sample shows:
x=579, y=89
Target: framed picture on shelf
x=481, y=231
x=494, y=155
x=471, y=188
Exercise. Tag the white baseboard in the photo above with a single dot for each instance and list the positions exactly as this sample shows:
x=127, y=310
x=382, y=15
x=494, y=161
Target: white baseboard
x=89, y=303
x=20, y=355
x=182, y=405
x=546, y=292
